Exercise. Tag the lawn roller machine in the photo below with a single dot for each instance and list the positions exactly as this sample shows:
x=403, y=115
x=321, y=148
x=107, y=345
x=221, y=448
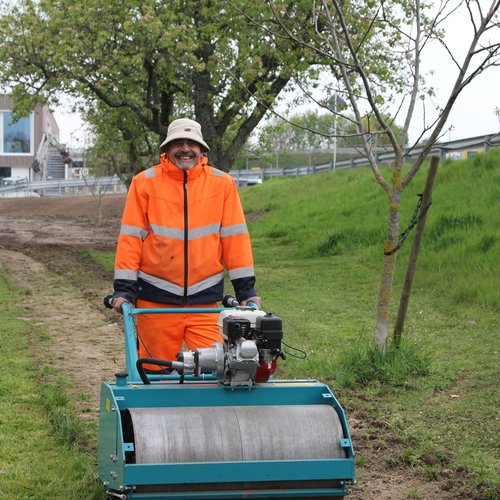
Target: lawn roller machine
x=217, y=424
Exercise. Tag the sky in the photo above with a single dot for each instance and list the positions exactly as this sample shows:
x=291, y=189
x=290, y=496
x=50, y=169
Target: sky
x=71, y=127
x=473, y=113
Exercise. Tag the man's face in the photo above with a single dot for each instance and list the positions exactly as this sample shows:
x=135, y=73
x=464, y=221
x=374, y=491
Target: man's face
x=184, y=154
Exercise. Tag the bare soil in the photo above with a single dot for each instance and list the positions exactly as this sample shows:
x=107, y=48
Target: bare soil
x=42, y=249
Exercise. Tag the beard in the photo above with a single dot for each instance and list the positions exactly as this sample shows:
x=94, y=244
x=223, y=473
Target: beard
x=185, y=162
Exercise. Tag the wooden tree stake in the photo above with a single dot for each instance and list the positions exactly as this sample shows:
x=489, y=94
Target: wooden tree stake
x=412, y=263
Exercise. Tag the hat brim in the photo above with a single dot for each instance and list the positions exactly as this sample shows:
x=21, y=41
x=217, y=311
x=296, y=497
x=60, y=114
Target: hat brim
x=180, y=135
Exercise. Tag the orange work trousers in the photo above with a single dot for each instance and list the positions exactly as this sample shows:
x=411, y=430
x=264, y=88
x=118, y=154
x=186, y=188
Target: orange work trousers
x=162, y=336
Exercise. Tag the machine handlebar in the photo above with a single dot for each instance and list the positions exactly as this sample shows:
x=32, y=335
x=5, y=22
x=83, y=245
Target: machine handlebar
x=230, y=301
x=227, y=301
x=108, y=301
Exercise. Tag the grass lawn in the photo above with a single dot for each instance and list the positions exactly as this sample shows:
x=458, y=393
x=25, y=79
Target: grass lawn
x=41, y=457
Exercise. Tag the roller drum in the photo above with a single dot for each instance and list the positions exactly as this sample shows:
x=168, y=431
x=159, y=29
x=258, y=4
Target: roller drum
x=236, y=433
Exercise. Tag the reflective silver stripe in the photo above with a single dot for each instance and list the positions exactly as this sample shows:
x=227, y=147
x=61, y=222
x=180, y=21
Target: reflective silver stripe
x=150, y=172
x=232, y=230
x=169, y=232
x=136, y=231
x=162, y=284
x=241, y=272
x=217, y=172
x=179, y=290
x=178, y=234
x=126, y=274
x=206, y=283
x=199, y=232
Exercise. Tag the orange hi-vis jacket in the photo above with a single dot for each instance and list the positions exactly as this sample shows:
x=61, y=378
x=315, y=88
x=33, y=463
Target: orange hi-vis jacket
x=180, y=229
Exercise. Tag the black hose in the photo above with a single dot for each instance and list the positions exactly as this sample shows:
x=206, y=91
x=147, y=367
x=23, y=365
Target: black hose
x=150, y=361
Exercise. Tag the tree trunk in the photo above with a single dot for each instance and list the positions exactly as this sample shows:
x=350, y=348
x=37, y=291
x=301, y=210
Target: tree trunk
x=387, y=276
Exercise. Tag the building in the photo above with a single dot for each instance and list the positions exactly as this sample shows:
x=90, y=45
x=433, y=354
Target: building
x=29, y=148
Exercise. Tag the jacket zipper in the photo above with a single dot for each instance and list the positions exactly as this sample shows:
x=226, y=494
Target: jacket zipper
x=185, y=297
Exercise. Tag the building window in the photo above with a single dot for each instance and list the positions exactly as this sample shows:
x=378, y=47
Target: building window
x=5, y=172
x=15, y=136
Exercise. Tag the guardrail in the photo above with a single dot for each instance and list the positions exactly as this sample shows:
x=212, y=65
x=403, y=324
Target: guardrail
x=247, y=177
x=63, y=187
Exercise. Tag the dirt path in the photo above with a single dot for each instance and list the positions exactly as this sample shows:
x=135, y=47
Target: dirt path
x=41, y=242
x=83, y=343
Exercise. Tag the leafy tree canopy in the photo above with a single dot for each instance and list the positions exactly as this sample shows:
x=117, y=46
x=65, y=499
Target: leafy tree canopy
x=134, y=66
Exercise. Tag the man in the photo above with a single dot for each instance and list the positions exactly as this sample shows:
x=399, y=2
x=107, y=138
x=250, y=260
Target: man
x=182, y=225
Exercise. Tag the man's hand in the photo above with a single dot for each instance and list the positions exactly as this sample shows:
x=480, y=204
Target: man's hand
x=117, y=303
x=255, y=300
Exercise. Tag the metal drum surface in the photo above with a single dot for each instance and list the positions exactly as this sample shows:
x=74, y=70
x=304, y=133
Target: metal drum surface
x=236, y=433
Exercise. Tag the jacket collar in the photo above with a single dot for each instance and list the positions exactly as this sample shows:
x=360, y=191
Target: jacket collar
x=175, y=172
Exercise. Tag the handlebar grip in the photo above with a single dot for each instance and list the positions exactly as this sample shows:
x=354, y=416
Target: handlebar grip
x=230, y=301
x=108, y=301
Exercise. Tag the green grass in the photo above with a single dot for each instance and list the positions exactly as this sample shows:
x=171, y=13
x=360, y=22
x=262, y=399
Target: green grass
x=344, y=214
x=105, y=259
x=360, y=365
x=37, y=459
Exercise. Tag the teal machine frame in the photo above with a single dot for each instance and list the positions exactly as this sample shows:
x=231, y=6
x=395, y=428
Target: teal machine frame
x=321, y=478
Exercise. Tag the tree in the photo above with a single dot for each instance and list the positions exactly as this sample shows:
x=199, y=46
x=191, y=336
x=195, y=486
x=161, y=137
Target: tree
x=314, y=130
x=149, y=62
x=297, y=134
x=120, y=145
x=376, y=51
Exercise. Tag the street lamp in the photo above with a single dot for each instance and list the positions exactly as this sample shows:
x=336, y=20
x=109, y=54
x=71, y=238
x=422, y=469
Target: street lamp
x=334, y=104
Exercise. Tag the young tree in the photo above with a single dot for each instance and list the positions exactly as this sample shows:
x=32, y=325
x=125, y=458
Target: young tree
x=376, y=51
x=152, y=61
